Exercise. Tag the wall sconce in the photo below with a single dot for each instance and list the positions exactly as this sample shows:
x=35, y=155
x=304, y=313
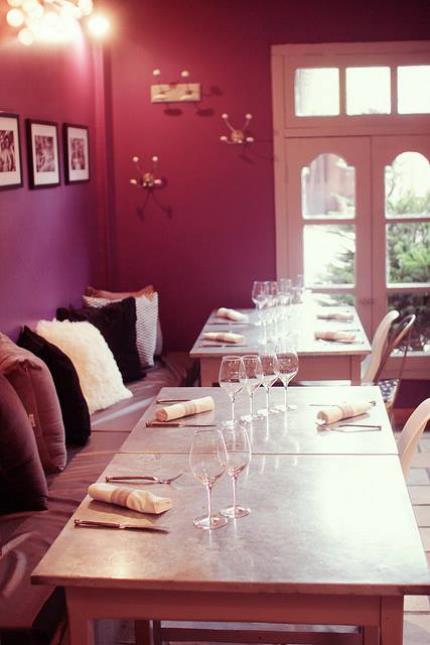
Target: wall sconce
x=182, y=92
x=147, y=178
x=237, y=136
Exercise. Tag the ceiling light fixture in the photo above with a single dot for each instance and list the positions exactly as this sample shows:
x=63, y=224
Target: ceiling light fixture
x=53, y=21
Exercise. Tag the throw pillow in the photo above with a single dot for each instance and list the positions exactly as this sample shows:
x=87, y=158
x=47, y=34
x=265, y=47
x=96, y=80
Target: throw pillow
x=33, y=383
x=22, y=480
x=147, y=291
x=74, y=408
x=146, y=324
x=98, y=372
x=117, y=324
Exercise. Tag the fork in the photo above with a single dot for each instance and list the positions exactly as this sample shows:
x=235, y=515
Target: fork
x=150, y=478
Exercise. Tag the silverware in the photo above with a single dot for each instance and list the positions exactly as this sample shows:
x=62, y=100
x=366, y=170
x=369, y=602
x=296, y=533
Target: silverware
x=359, y=425
x=151, y=478
x=175, y=424
x=232, y=345
x=171, y=400
x=332, y=405
x=93, y=524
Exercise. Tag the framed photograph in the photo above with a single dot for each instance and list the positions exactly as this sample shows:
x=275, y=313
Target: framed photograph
x=43, y=157
x=10, y=152
x=76, y=153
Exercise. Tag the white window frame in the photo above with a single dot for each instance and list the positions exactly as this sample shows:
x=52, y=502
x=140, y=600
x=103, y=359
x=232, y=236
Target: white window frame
x=285, y=60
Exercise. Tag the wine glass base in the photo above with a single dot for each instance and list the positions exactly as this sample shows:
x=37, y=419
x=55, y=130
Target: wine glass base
x=235, y=512
x=227, y=424
x=263, y=412
x=208, y=523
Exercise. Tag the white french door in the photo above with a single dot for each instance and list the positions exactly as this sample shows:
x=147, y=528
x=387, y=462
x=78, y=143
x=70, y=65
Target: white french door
x=358, y=223
x=328, y=212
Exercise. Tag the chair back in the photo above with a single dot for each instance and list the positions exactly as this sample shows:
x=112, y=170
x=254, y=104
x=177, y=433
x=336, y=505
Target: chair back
x=402, y=332
x=370, y=365
x=411, y=433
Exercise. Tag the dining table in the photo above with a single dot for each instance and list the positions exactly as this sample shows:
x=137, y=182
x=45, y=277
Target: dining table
x=319, y=358
x=330, y=539
x=294, y=431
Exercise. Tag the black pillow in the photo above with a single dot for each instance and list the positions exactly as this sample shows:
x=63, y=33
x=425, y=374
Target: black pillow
x=22, y=480
x=117, y=324
x=74, y=408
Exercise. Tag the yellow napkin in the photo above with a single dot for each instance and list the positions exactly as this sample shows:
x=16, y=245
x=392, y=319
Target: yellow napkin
x=226, y=337
x=340, y=315
x=344, y=410
x=133, y=498
x=185, y=409
x=338, y=336
x=231, y=314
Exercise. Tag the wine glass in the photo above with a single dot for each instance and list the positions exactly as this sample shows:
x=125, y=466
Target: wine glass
x=208, y=461
x=288, y=366
x=259, y=297
x=254, y=378
x=239, y=455
x=232, y=377
x=269, y=363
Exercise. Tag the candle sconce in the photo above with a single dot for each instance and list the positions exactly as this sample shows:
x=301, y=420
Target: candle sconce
x=147, y=178
x=174, y=92
x=237, y=136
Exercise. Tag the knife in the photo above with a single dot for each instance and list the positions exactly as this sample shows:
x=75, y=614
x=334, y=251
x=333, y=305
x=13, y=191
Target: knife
x=175, y=424
x=93, y=524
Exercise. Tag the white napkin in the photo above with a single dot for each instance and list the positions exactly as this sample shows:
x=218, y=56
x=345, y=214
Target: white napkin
x=185, y=409
x=342, y=411
x=133, y=498
x=231, y=314
x=226, y=337
x=338, y=336
x=340, y=315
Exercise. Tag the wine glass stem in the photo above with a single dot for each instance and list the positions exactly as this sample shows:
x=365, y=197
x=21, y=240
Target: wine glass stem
x=234, y=481
x=285, y=395
x=251, y=404
x=267, y=399
x=209, y=494
x=233, y=399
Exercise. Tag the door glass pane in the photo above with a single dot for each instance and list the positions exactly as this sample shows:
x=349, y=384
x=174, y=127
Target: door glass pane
x=368, y=90
x=408, y=253
x=407, y=186
x=418, y=304
x=333, y=299
x=316, y=91
x=413, y=91
x=328, y=188
x=329, y=254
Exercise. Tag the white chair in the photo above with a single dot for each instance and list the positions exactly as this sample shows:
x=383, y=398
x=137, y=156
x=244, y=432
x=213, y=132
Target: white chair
x=371, y=364
x=411, y=433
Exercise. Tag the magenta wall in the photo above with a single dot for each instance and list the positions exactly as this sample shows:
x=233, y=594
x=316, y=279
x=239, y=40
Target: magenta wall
x=46, y=235
x=221, y=234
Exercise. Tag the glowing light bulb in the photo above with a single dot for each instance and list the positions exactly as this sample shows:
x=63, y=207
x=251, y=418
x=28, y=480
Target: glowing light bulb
x=135, y=159
x=25, y=37
x=86, y=6
x=98, y=25
x=15, y=17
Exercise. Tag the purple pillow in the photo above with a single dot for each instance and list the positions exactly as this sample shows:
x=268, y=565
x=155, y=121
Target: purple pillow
x=22, y=480
x=32, y=381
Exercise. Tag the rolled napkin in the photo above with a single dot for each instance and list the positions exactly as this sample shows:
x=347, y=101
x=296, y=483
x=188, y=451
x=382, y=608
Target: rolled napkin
x=344, y=410
x=231, y=314
x=338, y=336
x=133, y=498
x=185, y=409
x=226, y=337
x=340, y=315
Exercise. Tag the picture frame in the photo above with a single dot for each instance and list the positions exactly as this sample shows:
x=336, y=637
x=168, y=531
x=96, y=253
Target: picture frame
x=10, y=152
x=76, y=153
x=43, y=154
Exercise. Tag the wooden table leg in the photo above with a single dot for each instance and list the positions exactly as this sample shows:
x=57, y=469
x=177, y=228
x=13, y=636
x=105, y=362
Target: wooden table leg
x=392, y=620
x=81, y=628
x=142, y=632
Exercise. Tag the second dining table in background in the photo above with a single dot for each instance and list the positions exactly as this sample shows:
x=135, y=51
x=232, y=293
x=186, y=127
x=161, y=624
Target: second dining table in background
x=319, y=359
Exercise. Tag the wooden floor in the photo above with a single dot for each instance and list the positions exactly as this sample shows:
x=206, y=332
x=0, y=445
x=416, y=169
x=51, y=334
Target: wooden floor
x=417, y=609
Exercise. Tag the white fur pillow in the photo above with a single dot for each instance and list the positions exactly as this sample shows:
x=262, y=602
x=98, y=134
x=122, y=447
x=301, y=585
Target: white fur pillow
x=146, y=324
x=98, y=373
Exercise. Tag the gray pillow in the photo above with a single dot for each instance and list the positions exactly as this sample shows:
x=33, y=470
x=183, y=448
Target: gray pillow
x=32, y=381
x=22, y=480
